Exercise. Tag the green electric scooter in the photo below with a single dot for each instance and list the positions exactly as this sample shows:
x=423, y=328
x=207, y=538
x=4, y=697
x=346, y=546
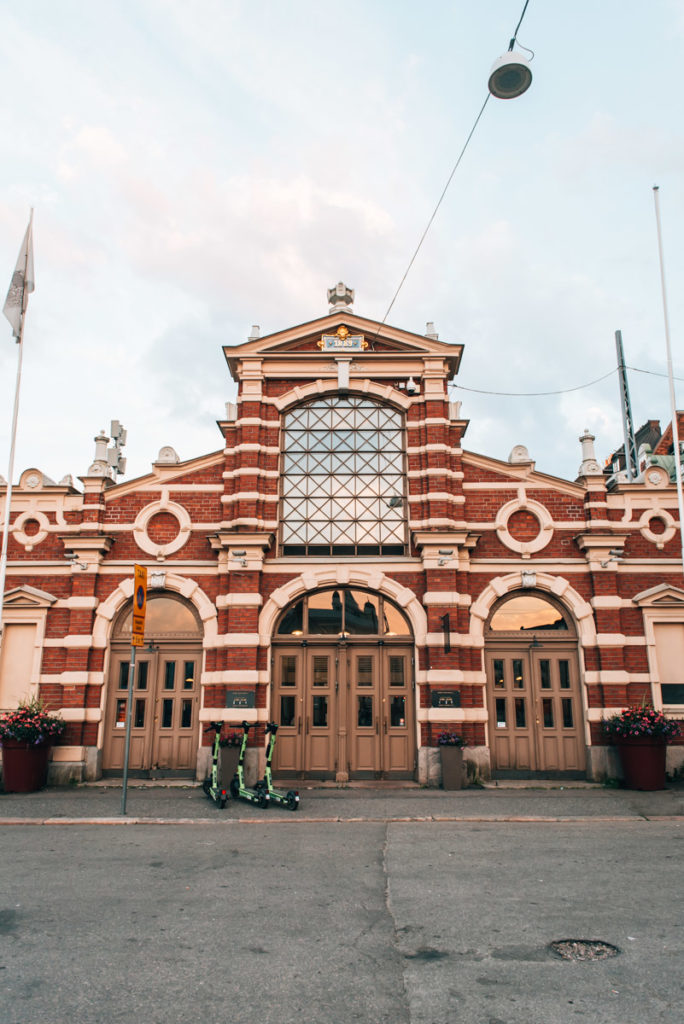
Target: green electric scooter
x=276, y=796
x=211, y=783
x=238, y=789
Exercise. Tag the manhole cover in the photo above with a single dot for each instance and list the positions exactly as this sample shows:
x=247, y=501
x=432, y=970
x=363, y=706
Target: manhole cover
x=583, y=949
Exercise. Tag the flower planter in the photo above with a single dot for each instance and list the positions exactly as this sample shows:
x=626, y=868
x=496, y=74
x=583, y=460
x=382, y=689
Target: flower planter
x=452, y=767
x=24, y=766
x=228, y=760
x=643, y=761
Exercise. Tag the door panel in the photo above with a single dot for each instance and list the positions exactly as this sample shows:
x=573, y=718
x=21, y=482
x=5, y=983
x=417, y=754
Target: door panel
x=345, y=710
x=288, y=708
x=364, y=710
x=165, y=718
x=398, y=712
x=115, y=738
x=321, y=710
x=535, y=717
x=511, y=735
x=558, y=711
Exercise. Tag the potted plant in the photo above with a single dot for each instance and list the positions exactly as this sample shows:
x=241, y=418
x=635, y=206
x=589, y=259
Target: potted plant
x=228, y=758
x=26, y=735
x=641, y=735
x=451, y=746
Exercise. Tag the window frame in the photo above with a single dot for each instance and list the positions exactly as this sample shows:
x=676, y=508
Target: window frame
x=355, y=550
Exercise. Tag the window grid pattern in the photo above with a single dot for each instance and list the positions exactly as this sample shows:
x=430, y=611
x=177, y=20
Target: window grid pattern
x=343, y=482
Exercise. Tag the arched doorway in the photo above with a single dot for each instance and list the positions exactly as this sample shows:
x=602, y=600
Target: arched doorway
x=536, y=718
x=165, y=719
x=343, y=687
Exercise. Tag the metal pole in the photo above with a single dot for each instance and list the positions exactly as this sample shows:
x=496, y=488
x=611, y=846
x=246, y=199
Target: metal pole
x=15, y=417
x=129, y=715
x=10, y=475
x=627, y=420
x=673, y=403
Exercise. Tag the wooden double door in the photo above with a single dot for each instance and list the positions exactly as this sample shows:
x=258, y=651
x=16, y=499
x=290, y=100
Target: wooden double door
x=344, y=711
x=165, y=715
x=536, y=720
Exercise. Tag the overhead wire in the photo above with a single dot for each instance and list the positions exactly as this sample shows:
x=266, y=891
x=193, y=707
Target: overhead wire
x=558, y=391
x=536, y=394
x=445, y=189
x=653, y=373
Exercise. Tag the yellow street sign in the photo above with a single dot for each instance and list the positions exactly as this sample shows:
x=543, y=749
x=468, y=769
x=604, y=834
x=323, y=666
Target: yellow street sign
x=139, y=606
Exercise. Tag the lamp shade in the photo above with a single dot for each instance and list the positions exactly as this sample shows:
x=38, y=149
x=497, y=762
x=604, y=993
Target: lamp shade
x=510, y=76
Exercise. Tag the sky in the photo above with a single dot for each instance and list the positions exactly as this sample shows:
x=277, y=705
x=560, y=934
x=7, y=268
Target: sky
x=199, y=168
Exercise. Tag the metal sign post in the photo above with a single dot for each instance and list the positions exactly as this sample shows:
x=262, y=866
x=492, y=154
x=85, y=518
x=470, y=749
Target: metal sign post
x=137, y=640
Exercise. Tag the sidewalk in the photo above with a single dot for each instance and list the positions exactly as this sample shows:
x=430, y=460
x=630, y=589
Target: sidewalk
x=185, y=803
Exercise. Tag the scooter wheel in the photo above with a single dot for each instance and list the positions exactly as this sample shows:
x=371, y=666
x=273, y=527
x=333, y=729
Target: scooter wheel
x=222, y=802
x=263, y=800
x=234, y=789
x=206, y=786
x=292, y=802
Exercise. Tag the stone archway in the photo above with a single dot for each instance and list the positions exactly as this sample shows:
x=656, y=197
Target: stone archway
x=536, y=714
x=342, y=686
x=168, y=686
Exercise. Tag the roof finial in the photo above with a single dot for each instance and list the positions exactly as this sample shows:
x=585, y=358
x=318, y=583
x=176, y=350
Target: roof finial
x=340, y=298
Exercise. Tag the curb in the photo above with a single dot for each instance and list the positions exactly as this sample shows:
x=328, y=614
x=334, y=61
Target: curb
x=493, y=819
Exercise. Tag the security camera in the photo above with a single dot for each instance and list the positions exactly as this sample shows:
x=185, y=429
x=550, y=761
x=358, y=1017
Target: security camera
x=411, y=386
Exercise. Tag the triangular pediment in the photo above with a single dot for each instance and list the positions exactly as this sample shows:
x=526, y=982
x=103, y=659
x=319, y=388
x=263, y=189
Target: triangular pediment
x=346, y=334
x=661, y=596
x=28, y=597
x=481, y=470
x=168, y=474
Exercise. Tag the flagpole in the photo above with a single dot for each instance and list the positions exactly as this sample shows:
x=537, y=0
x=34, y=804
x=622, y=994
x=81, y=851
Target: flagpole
x=13, y=441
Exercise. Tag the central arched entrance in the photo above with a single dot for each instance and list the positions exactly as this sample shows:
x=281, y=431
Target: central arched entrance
x=343, y=687
x=166, y=692
x=536, y=717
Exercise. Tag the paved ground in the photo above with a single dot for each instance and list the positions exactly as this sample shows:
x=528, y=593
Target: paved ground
x=401, y=906
x=176, y=802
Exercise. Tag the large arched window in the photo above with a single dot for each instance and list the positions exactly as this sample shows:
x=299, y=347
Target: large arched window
x=343, y=481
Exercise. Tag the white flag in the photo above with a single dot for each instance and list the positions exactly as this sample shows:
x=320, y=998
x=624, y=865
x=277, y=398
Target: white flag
x=23, y=282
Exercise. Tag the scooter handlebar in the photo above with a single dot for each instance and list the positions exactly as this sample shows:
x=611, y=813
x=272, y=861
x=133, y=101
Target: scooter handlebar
x=214, y=727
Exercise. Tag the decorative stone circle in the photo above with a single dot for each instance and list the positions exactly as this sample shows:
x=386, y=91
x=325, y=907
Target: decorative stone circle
x=526, y=545
x=657, y=526
x=30, y=528
x=169, y=541
x=584, y=950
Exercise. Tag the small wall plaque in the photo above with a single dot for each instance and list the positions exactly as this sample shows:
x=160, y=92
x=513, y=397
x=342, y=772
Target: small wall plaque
x=446, y=698
x=240, y=699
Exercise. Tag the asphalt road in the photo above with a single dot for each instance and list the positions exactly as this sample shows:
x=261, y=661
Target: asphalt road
x=336, y=922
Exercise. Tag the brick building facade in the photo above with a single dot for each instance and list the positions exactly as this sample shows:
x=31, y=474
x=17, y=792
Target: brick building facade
x=345, y=566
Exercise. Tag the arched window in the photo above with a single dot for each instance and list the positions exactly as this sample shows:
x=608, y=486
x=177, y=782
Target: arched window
x=528, y=612
x=166, y=617
x=343, y=481
x=343, y=610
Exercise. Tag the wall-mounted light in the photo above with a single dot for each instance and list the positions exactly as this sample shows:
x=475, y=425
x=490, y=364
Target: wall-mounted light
x=73, y=561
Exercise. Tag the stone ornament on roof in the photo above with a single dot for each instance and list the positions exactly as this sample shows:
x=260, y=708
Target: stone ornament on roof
x=340, y=298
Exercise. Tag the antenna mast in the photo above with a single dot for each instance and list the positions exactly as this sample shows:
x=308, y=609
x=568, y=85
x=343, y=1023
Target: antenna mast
x=627, y=420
